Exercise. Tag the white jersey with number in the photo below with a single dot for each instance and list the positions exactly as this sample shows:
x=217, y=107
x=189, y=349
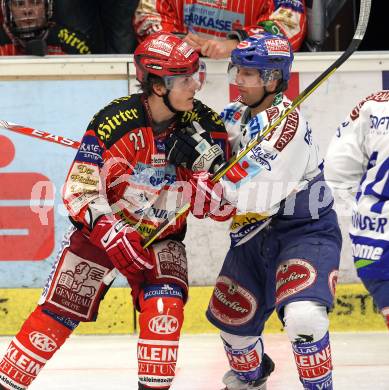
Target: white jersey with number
x=282, y=164
x=358, y=160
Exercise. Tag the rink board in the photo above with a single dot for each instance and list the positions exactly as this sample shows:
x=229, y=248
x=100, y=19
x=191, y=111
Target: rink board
x=353, y=311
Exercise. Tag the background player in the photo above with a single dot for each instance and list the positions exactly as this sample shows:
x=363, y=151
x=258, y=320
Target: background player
x=357, y=162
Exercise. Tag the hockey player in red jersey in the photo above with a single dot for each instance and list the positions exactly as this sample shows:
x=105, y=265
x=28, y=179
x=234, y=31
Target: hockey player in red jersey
x=27, y=28
x=215, y=27
x=120, y=187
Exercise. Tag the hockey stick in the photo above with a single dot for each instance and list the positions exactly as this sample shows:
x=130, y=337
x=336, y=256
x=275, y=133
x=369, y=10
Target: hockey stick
x=363, y=19
x=39, y=134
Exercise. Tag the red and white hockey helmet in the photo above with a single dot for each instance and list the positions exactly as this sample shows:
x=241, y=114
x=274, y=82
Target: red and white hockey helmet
x=169, y=57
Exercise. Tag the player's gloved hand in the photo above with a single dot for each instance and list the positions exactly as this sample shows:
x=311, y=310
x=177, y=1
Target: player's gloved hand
x=122, y=244
x=207, y=198
x=193, y=148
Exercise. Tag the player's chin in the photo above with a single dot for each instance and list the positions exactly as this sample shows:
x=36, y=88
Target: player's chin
x=188, y=104
x=244, y=99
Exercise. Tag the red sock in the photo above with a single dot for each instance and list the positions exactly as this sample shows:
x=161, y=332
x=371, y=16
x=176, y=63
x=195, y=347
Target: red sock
x=160, y=324
x=37, y=341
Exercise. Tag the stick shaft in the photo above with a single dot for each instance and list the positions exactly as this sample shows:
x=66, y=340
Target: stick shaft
x=43, y=135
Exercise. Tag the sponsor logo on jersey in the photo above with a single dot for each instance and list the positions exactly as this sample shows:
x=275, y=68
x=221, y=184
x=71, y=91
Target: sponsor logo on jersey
x=364, y=222
x=378, y=97
x=368, y=252
x=232, y=114
x=262, y=157
x=160, y=144
x=293, y=276
x=210, y=18
x=379, y=123
x=89, y=150
x=112, y=123
x=154, y=176
x=271, y=113
x=163, y=324
x=158, y=160
x=289, y=131
x=255, y=125
x=232, y=304
x=42, y=342
x=83, y=177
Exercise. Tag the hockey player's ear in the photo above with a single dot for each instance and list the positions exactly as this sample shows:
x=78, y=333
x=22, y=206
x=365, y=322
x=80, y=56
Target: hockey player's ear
x=159, y=89
x=272, y=86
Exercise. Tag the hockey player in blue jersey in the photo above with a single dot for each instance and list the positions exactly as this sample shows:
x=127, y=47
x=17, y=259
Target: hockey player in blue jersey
x=285, y=238
x=357, y=162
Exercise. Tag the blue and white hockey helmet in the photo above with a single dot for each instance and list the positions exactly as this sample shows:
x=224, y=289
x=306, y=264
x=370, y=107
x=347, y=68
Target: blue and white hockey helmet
x=270, y=54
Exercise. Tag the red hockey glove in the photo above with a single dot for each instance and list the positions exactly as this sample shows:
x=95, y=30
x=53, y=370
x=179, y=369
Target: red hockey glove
x=122, y=244
x=207, y=198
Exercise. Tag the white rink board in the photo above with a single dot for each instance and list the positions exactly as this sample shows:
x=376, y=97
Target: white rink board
x=61, y=96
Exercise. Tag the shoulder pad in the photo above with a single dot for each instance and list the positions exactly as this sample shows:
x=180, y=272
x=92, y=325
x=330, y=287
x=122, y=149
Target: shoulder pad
x=118, y=118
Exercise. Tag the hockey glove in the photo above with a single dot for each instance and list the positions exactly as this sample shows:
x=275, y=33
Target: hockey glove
x=194, y=148
x=122, y=244
x=207, y=200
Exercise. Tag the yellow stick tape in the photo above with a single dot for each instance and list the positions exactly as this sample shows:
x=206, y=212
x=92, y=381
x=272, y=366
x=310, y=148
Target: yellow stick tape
x=353, y=311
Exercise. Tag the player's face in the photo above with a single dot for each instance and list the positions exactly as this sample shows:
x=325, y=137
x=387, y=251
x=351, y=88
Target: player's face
x=248, y=81
x=250, y=95
x=28, y=13
x=182, y=99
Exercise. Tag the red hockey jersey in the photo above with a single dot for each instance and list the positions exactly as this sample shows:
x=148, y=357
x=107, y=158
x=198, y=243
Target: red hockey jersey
x=121, y=167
